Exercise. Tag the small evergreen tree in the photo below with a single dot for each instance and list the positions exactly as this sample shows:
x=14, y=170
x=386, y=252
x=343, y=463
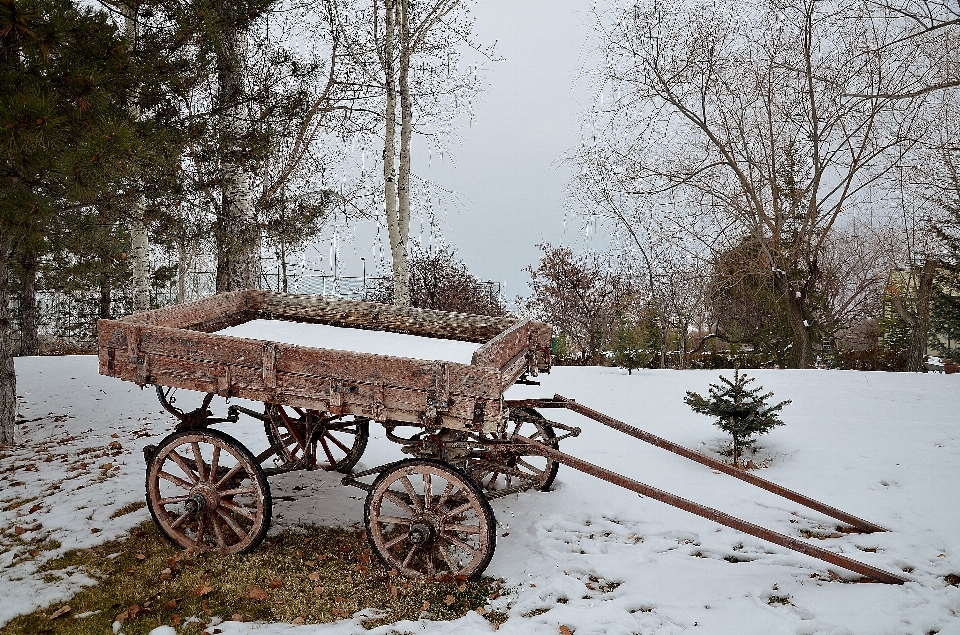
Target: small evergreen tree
x=741, y=412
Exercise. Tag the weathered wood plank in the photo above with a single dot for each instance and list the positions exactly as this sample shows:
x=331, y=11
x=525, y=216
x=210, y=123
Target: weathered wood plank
x=380, y=317
x=206, y=315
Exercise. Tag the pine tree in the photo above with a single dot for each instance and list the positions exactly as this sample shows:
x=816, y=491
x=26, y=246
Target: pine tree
x=945, y=309
x=741, y=412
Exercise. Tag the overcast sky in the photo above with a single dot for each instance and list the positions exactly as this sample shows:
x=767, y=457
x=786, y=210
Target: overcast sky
x=507, y=170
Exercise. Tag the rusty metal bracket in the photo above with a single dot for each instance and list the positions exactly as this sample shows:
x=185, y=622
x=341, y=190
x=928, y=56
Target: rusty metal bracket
x=712, y=514
x=560, y=401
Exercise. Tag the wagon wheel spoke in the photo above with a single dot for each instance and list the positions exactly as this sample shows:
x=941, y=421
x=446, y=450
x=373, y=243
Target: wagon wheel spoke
x=237, y=530
x=464, y=529
x=214, y=462
x=201, y=468
x=218, y=531
x=406, y=561
x=229, y=475
x=182, y=464
x=237, y=509
x=396, y=520
x=399, y=502
x=179, y=520
x=175, y=480
x=396, y=541
x=326, y=450
x=171, y=501
x=458, y=544
x=408, y=486
x=446, y=494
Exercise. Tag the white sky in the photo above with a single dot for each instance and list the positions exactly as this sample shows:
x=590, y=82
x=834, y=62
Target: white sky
x=507, y=170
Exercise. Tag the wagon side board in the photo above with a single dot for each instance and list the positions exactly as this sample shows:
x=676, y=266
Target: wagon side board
x=429, y=393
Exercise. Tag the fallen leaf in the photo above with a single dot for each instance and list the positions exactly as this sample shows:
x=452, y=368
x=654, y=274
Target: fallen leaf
x=480, y=610
x=236, y=617
x=60, y=611
x=256, y=593
x=170, y=604
x=426, y=606
x=365, y=558
x=318, y=591
x=314, y=576
x=298, y=621
x=394, y=591
x=141, y=556
x=565, y=630
x=276, y=583
x=94, y=530
x=36, y=508
x=114, y=436
x=175, y=619
x=206, y=608
x=203, y=589
x=132, y=611
x=121, y=618
x=166, y=574
x=462, y=588
x=19, y=530
x=589, y=585
x=449, y=600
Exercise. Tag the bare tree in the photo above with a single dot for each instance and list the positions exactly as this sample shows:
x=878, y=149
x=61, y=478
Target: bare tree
x=583, y=296
x=774, y=118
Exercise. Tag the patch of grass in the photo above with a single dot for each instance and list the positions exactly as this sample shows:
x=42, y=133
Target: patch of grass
x=952, y=579
x=818, y=535
x=127, y=509
x=311, y=575
x=778, y=599
x=535, y=612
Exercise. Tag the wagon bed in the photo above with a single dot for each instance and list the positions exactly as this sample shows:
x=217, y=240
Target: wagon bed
x=178, y=347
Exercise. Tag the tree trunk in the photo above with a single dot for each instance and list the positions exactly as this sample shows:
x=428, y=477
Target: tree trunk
x=238, y=232
x=139, y=238
x=801, y=354
x=397, y=235
x=29, y=338
x=106, y=293
x=919, y=319
x=402, y=267
x=8, y=375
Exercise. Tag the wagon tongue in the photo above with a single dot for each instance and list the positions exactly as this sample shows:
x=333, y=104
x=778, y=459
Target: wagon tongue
x=707, y=512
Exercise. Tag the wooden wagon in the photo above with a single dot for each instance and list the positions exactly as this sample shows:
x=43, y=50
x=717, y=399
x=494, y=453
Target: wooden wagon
x=427, y=515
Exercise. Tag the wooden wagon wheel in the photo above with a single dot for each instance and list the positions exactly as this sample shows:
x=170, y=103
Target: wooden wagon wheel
x=207, y=492
x=308, y=439
x=427, y=519
x=509, y=470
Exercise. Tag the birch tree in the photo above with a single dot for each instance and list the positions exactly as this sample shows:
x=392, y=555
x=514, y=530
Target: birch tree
x=407, y=55
x=777, y=117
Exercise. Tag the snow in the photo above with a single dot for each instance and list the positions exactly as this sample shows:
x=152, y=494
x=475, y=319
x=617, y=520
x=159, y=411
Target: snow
x=883, y=446
x=357, y=340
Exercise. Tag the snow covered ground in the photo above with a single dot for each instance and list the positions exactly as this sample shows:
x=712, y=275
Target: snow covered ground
x=885, y=447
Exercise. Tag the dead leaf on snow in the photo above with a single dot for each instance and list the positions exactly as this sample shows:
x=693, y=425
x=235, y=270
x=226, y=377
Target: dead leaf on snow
x=565, y=630
x=60, y=611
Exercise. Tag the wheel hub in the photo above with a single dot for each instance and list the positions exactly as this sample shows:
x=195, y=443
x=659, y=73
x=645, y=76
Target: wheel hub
x=420, y=534
x=202, y=499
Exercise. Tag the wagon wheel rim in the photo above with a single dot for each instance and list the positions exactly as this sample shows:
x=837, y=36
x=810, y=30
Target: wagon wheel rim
x=207, y=493
x=428, y=520
x=511, y=469
x=307, y=439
